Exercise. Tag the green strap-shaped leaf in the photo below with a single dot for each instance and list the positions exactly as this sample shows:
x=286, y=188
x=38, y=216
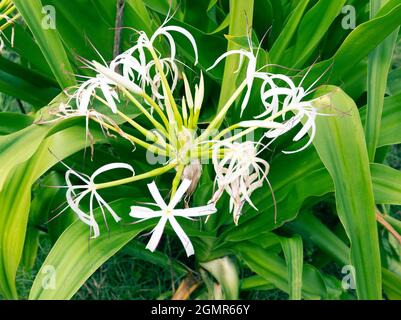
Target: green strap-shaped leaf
x=272, y=268
x=359, y=43
x=11, y=122
x=48, y=40
x=386, y=184
x=241, y=14
x=287, y=33
x=340, y=143
x=378, y=67
x=391, y=118
x=293, y=253
x=18, y=147
x=41, y=206
x=15, y=198
x=312, y=29
x=321, y=236
x=225, y=272
x=74, y=258
x=139, y=251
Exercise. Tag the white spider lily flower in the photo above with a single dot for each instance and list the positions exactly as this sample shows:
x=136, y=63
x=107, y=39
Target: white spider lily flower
x=139, y=70
x=135, y=67
x=251, y=71
x=294, y=96
x=168, y=213
x=166, y=32
x=115, y=79
x=240, y=172
x=270, y=92
x=88, y=88
x=76, y=193
x=155, y=81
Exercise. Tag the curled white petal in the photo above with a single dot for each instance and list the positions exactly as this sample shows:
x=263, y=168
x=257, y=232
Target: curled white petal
x=76, y=193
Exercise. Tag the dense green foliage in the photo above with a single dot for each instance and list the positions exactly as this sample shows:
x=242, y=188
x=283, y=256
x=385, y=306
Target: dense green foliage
x=333, y=199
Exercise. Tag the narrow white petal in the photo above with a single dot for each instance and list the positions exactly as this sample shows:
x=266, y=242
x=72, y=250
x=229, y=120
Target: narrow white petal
x=156, y=234
x=179, y=193
x=188, y=93
x=70, y=172
x=200, y=92
x=117, y=78
x=74, y=205
x=261, y=124
x=189, y=249
x=196, y=212
x=108, y=96
x=156, y=195
x=144, y=213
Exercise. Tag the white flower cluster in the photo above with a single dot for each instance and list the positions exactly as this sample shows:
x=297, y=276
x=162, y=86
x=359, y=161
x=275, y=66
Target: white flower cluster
x=239, y=169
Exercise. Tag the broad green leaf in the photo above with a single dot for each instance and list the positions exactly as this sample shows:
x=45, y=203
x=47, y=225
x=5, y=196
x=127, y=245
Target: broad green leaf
x=241, y=13
x=15, y=197
x=320, y=235
x=11, y=122
x=28, y=50
x=41, y=206
x=138, y=251
x=359, y=43
x=346, y=159
x=392, y=284
x=225, y=272
x=74, y=258
x=312, y=229
x=378, y=68
x=272, y=268
x=313, y=27
x=256, y=283
x=48, y=40
x=386, y=184
x=18, y=147
x=293, y=253
x=394, y=83
x=24, y=90
x=391, y=117
x=287, y=33
x=289, y=201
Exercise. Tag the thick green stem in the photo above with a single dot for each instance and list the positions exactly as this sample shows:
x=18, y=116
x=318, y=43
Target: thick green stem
x=133, y=139
x=156, y=124
x=218, y=120
x=147, y=133
x=166, y=87
x=177, y=179
x=150, y=174
x=157, y=108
